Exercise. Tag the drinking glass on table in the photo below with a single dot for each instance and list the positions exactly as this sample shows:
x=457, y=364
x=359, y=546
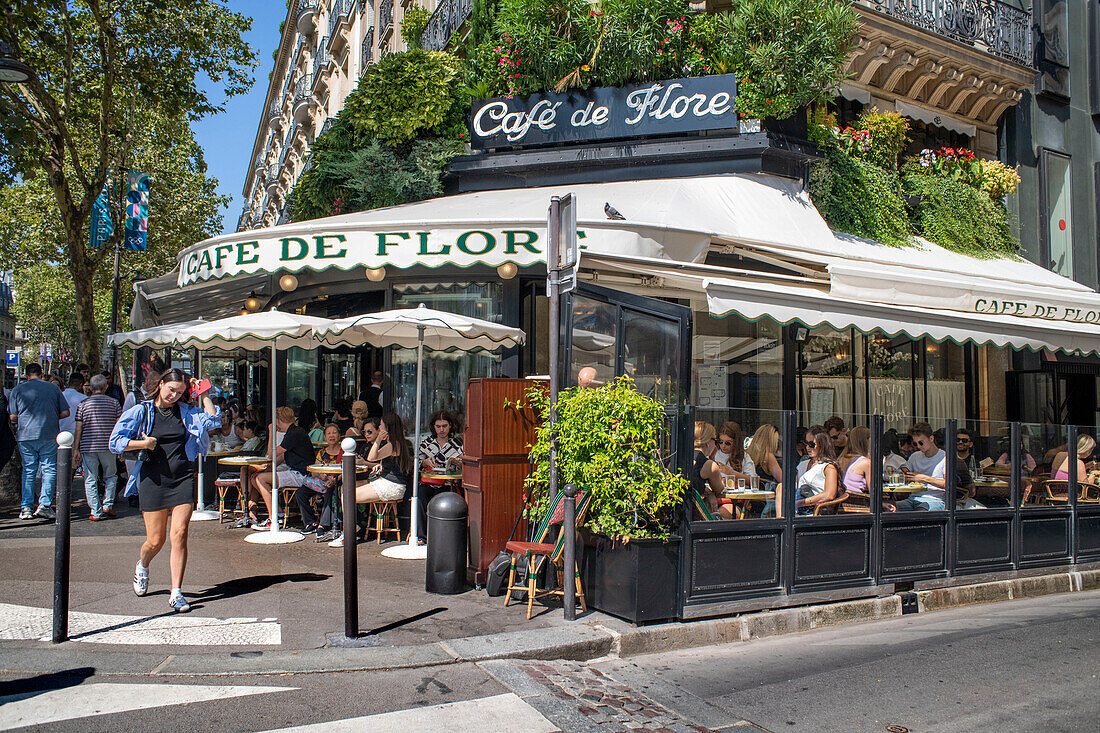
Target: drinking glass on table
x=754, y=482
x=741, y=483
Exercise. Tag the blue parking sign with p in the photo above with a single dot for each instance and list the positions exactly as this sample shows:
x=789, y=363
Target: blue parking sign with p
x=13, y=358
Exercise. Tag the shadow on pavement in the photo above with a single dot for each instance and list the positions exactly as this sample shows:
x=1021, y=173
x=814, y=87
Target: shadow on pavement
x=251, y=584
x=403, y=622
x=30, y=686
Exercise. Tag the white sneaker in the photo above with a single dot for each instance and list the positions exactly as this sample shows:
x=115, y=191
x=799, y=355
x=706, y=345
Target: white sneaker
x=26, y=513
x=141, y=580
x=179, y=603
x=338, y=542
x=45, y=512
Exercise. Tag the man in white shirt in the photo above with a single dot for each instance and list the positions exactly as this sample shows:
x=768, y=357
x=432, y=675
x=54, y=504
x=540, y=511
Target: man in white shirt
x=74, y=395
x=928, y=465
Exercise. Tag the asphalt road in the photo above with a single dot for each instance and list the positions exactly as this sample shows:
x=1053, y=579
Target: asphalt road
x=1028, y=665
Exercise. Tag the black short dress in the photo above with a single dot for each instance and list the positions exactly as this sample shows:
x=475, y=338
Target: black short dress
x=166, y=476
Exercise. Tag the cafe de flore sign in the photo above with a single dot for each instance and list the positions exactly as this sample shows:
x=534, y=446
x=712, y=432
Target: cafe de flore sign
x=604, y=113
x=313, y=246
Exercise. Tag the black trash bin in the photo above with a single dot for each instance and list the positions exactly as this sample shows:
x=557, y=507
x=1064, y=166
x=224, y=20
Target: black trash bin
x=445, y=570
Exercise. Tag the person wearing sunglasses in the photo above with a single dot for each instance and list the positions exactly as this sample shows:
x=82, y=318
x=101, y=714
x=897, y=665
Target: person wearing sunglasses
x=730, y=455
x=926, y=465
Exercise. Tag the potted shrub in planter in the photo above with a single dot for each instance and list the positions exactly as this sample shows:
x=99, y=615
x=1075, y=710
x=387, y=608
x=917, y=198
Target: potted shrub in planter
x=608, y=442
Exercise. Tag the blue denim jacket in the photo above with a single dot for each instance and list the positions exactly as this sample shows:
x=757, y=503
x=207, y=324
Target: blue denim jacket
x=136, y=421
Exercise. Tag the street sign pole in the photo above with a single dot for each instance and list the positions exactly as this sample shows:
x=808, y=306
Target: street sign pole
x=561, y=277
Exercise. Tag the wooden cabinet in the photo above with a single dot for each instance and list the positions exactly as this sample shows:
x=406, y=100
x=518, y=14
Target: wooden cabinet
x=495, y=464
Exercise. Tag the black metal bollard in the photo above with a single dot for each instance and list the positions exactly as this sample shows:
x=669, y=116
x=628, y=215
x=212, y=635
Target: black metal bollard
x=445, y=570
x=569, y=553
x=63, y=501
x=351, y=559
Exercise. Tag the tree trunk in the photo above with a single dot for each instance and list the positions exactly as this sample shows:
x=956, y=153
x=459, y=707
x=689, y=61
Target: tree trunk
x=87, y=341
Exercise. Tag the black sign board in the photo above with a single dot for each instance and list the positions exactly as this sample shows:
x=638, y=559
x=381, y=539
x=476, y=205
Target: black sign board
x=603, y=113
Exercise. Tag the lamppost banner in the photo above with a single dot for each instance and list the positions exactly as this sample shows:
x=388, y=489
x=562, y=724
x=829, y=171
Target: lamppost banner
x=137, y=211
x=100, y=228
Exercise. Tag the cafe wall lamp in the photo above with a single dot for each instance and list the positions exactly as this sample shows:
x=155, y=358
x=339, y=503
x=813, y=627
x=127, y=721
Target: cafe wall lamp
x=288, y=283
x=507, y=271
x=252, y=303
x=376, y=274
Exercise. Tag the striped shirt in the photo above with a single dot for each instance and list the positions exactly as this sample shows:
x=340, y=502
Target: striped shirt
x=97, y=416
x=438, y=454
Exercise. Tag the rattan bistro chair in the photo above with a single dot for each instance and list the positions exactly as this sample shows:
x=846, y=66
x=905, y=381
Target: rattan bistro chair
x=535, y=554
x=1055, y=492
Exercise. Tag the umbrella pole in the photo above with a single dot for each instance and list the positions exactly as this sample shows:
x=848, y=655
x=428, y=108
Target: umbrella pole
x=274, y=536
x=201, y=513
x=412, y=551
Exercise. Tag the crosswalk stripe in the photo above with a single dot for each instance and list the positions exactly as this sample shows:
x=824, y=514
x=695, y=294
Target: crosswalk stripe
x=100, y=698
x=506, y=713
x=31, y=623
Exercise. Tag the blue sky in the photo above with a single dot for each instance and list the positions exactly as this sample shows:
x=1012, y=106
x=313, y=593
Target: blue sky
x=227, y=138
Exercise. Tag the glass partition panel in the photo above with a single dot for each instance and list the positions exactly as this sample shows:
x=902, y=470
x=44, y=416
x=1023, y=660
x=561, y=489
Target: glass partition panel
x=594, y=326
x=652, y=355
x=301, y=375
x=738, y=364
x=737, y=469
x=985, y=485
x=945, y=380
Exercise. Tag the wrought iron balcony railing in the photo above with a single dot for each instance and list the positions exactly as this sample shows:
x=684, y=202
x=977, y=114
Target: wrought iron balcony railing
x=989, y=25
x=366, y=51
x=448, y=17
x=303, y=90
x=321, y=59
x=338, y=12
x=307, y=13
x=385, y=17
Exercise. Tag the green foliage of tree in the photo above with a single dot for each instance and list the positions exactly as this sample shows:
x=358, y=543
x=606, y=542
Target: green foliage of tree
x=184, y=208
x=413, y=23
x=958, y=216
x=100, y=67
x=608, y=443
x=409, y=93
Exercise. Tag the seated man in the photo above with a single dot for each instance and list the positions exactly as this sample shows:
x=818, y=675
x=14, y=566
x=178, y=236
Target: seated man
x=295, y=450
x=927, y=465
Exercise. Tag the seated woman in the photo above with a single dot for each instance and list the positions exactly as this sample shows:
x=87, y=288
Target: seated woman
x=762, y=450
x=730, y=456
x=821, y=482
x=392, y=475
x=341, y=415
x=706, y=478
x=858, y=472
x=369, y=432
x=251, y=439
x=440, y=451
x=359, y=415
x=1059, y=467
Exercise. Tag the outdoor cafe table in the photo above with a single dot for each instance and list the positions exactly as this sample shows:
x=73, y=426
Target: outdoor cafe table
x=244, y=463
x=903, y=488
x=210, y=468
x=740, y=498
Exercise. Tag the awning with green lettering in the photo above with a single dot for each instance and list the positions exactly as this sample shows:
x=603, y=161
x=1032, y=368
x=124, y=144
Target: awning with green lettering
x=673, y=219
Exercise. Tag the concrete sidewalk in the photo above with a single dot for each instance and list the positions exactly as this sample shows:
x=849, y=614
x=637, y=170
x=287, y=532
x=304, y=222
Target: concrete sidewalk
x=279, y=609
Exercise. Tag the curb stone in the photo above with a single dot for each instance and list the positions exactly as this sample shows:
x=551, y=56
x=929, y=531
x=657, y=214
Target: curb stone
x=584, y=641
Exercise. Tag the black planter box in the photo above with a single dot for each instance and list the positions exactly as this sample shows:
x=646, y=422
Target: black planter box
x=636, y=581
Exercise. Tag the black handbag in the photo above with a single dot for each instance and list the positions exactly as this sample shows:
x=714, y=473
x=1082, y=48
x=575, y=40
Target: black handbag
x=497, y=574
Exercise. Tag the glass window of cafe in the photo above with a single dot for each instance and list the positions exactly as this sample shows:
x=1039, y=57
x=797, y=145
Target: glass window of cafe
x=739, y=373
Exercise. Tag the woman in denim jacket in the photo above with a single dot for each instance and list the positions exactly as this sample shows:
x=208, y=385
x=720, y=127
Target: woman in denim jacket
x=170, y=434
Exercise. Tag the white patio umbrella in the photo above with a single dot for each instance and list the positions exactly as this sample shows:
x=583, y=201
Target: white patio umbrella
x=255, y=331
x=160, y=337
x=420, y=327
